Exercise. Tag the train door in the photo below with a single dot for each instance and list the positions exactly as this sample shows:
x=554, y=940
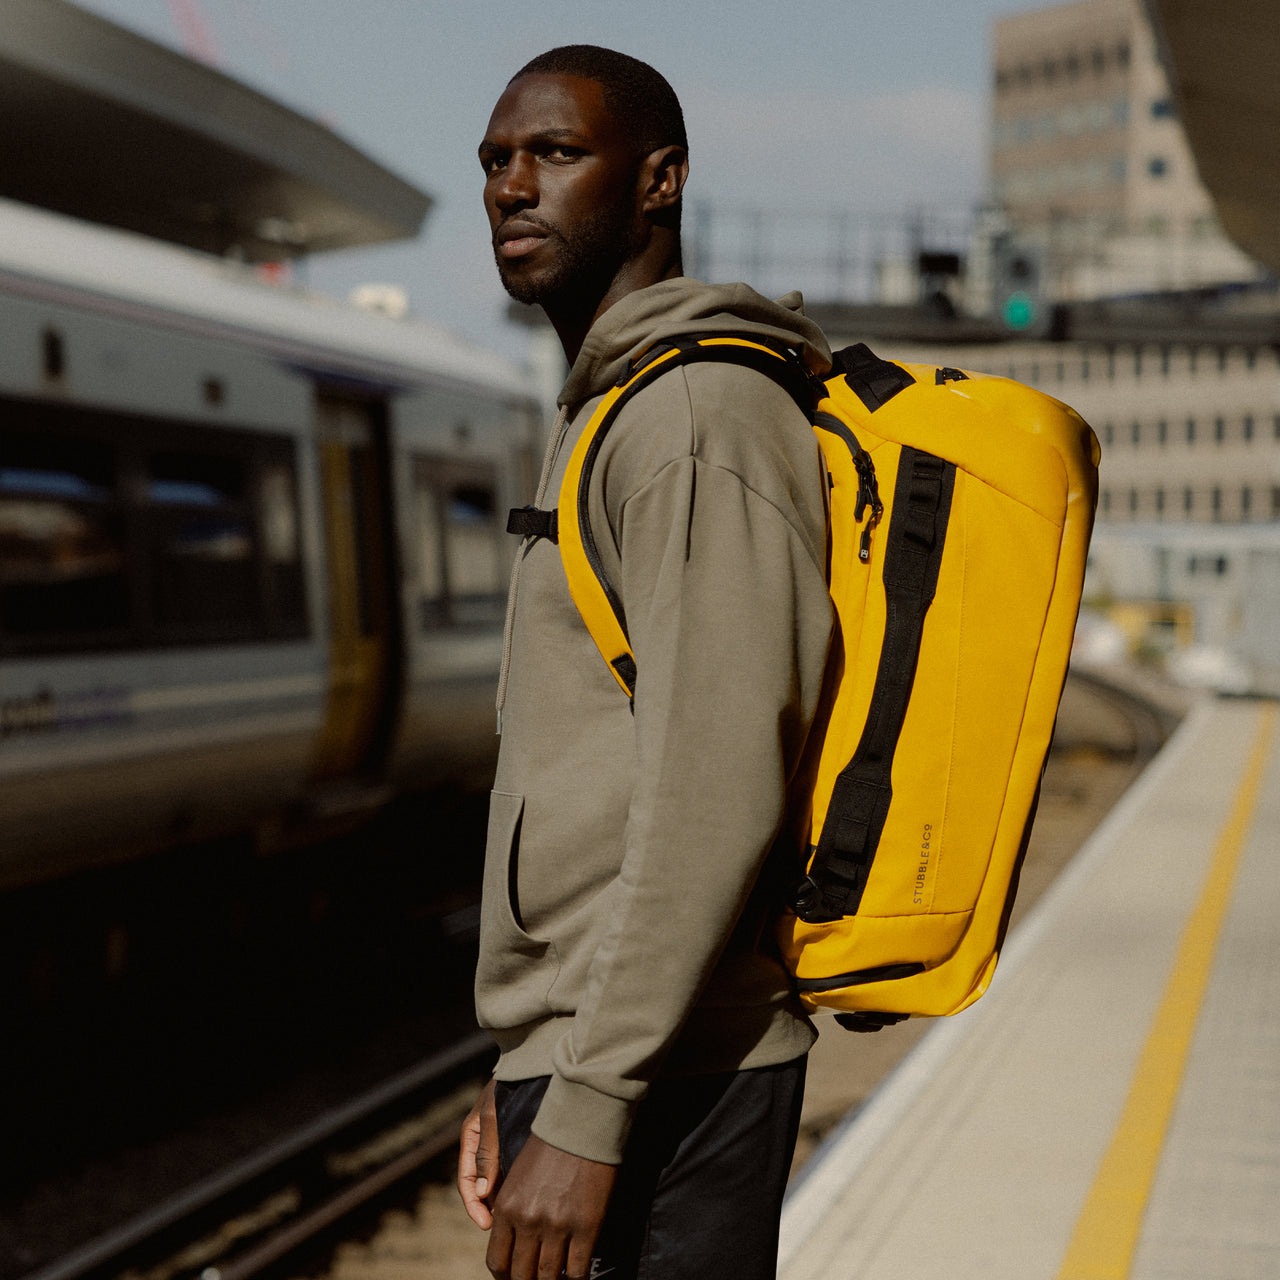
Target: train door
x=364, y=667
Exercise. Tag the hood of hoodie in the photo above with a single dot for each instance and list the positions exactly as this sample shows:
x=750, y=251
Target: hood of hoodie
x=678, y=308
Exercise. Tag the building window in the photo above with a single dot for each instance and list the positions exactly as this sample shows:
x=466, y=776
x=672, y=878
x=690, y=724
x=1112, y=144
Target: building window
x=1246, y=502
x=1157, y=166
x=1215, y=503
x=1162, y=109
x=1188, y=500
x=1164, y=361
x=1219, y=430
x=1160, y=504
x=1246, y=427
x=1106, y=501
x=1191, y=431
x=1275, y=501
x=1133, y=502
x=1162, y=431
x=1108, y=434
x=1135, y=433
x=1084, y=369
x=1097, y=60
x=1122, y=54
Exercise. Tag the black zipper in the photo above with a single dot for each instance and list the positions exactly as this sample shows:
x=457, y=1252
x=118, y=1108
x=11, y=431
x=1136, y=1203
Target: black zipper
x=868, y=489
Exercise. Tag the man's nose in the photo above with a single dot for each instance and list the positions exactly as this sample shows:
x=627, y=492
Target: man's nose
x=517, y=187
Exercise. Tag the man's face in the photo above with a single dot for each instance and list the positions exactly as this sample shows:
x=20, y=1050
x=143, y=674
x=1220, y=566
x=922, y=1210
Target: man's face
x=560, y=189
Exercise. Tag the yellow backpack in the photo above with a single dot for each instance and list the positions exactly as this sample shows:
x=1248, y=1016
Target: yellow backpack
x=960, y=512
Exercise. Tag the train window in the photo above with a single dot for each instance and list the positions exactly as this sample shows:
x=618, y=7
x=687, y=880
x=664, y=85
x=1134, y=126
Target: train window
x=194, y=480
x=62, y=538
x=460, y=553
x=56, y=467
x=117, y=531
x=203, y=572
x=281, y=542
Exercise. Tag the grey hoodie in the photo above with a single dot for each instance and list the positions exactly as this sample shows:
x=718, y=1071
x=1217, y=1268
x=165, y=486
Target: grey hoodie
x=629, y=874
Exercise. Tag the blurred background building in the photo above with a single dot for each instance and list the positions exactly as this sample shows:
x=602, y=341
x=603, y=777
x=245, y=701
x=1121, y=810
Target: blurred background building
x=1104, y=270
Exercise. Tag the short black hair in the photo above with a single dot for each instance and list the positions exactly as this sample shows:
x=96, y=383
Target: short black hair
x=637, y=96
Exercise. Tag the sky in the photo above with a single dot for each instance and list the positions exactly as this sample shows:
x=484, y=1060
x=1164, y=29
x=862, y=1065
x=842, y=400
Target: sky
x=838, y=104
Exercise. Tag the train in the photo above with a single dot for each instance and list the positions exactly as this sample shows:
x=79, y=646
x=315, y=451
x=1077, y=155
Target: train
x=253, y=560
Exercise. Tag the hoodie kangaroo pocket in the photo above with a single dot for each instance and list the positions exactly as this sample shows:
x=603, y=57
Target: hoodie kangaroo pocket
x=502, y=935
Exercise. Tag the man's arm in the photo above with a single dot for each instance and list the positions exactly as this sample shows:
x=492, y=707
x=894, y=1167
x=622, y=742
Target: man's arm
x=722, y=571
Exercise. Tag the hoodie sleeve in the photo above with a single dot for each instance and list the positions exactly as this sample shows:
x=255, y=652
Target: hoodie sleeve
x=716, y=509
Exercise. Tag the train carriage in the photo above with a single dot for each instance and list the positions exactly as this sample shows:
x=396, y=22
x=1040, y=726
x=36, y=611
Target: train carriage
x=251, y=567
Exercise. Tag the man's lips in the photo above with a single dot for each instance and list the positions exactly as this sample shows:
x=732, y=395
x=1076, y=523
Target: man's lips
x=515, y=239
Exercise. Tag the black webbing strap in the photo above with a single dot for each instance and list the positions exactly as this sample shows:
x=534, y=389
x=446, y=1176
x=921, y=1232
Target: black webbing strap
x=860, y=800
x=533, y=522
x=873, y=380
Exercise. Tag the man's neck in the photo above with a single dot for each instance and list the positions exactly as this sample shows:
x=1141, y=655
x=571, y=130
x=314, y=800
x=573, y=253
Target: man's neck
x=572, y=322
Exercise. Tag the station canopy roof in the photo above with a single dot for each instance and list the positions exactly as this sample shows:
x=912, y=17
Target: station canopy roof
x=1222, y=60
x=108, y=126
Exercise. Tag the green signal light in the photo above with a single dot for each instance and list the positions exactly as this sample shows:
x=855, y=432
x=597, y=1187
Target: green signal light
x=1019, y=310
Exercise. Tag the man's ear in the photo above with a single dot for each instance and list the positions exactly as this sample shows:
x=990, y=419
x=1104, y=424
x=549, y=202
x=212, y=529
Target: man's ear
x=663, y=174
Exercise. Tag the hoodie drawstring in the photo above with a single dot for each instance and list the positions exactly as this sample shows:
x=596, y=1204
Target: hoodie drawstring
x=554, y=439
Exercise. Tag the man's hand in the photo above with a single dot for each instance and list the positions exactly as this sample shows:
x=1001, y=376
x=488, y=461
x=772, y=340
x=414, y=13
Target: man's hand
x=547, y=1218
x=479, y=1173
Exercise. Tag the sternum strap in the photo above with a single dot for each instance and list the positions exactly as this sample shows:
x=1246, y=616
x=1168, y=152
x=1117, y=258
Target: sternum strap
x=860, y=799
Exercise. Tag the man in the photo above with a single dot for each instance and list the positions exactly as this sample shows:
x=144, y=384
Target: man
x=645, y=1104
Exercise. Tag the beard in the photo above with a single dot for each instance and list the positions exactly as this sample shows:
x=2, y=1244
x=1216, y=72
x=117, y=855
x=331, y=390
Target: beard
x=583, y=262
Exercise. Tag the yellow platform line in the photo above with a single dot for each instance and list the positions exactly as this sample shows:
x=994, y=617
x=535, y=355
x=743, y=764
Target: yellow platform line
x=1106, y=1233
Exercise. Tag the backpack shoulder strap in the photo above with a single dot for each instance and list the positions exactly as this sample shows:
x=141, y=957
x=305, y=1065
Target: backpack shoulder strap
x=595, y=597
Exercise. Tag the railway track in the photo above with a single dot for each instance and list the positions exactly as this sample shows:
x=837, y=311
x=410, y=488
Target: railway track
x=303, y=1190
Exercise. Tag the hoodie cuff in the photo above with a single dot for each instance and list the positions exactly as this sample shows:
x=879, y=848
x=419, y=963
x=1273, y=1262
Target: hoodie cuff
x=584, y=1122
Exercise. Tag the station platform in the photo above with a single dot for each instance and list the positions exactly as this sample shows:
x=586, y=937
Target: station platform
x=1110, y=1110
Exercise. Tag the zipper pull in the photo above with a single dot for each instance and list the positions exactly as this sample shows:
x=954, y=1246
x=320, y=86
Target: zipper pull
x=868, y=496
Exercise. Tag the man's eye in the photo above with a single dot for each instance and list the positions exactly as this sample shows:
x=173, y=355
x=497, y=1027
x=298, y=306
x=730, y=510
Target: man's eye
x=491, y=164
x=563, y=153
